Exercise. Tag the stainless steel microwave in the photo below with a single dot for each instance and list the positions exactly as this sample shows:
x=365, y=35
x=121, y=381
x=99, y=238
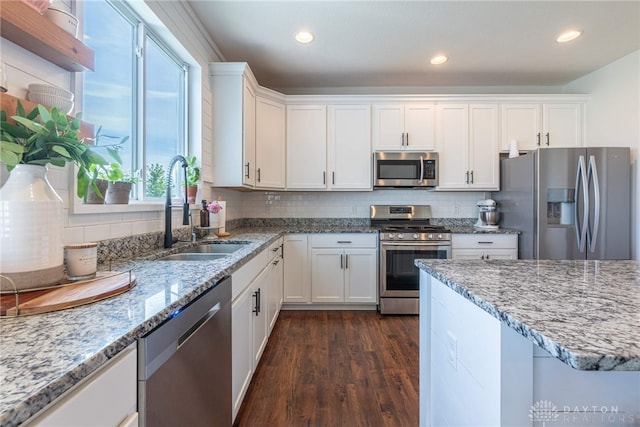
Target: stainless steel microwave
x=405, y=169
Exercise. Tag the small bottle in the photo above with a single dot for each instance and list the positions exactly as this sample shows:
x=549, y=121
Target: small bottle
x=204, y=215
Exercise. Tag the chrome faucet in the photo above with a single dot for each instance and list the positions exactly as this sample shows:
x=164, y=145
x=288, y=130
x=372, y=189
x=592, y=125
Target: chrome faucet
x=168, y=238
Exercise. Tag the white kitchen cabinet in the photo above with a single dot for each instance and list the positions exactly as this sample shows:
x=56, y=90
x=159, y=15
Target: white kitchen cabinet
x=468, y=151
x=251, y=309
x=297, y=285
x=306, y=147
x=536, y=125
x=108, y=397
x=404, y=127
x=276, y=278
x=270, y=144
x=343, y=268
x=484, y=246
x=234, y=134
x=349, y=147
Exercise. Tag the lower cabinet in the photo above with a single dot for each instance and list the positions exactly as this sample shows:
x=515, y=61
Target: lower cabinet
x=344, y=268
x=106, y=398
x=484, y=246
x=256, y=303
x=297, y=285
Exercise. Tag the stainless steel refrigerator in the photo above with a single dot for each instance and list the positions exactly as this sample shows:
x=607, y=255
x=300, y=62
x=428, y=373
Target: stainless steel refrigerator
x=569, y=203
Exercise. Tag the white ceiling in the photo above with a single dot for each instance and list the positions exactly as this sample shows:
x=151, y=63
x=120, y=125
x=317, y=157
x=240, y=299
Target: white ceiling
x=389, y=43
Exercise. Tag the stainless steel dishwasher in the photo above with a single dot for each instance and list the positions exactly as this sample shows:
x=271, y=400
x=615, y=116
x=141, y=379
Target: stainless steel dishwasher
x=184, y=365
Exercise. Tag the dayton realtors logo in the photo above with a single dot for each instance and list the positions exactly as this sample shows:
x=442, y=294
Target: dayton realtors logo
x=543, y=411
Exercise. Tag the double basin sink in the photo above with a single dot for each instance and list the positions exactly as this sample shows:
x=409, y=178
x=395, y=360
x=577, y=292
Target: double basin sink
x=205, y=252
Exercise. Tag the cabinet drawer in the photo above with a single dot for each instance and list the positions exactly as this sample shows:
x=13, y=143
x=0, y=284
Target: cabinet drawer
x=344, y=240
x=274, y=248
x=243, y=277
x=484, y=241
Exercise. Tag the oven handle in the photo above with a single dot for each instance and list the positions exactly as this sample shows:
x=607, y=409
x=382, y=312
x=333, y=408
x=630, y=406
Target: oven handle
x=420, y=244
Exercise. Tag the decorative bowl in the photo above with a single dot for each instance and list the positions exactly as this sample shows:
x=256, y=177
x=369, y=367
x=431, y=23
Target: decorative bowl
x=63, y=19
x=50, y=90
x=64, y=105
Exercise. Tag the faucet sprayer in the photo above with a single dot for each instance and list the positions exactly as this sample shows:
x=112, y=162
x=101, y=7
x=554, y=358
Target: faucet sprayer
x=168, y=238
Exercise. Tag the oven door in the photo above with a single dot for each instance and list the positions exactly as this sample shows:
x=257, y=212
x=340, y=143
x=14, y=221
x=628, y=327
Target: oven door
x=399, y=277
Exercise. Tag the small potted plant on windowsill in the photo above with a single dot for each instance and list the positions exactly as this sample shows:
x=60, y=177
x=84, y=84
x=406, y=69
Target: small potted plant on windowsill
x=156, y=185
x=193, y=176
x=120, y=183
x=97, y=191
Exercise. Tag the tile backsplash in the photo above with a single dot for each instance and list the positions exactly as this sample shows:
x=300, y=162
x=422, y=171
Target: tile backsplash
x=279, y=204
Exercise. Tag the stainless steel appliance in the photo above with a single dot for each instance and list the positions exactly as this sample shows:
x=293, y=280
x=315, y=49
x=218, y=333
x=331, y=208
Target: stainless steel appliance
x=184, y=365
x=569, y=203
x=405, y=169
x=406, y=234
x=487, y=215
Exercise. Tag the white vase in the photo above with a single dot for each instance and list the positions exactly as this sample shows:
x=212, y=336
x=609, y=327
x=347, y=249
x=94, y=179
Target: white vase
x=31, y=228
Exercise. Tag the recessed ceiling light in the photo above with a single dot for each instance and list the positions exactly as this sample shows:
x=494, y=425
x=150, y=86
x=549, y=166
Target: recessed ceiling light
x=439, y=59
x=568, y=36
x=304, y=37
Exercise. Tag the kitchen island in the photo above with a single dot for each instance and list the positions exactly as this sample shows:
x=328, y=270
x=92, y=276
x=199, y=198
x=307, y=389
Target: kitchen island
x=529, y=342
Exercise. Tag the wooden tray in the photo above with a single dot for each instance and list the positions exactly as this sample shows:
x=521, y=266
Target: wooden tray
x=67, y=295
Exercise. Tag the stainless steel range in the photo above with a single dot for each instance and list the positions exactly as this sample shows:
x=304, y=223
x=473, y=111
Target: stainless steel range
x=406, y=234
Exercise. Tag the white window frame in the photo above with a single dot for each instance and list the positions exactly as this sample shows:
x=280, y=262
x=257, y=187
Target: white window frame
x=191, y=129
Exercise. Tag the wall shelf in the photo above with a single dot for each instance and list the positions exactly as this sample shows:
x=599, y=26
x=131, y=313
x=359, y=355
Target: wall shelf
x=27, y=28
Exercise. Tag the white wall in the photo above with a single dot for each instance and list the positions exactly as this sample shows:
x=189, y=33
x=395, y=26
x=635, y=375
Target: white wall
x=613, y=119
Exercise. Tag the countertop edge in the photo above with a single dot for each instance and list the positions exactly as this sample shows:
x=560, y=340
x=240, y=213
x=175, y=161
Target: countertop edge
x=579, y=361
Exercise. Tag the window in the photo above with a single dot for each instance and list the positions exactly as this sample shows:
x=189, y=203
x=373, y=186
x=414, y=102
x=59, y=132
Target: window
x=138, y=89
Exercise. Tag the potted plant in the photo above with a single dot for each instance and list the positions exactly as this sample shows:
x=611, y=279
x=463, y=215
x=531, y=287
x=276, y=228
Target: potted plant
x=120, y=183
x=193, y=176
x=98, y=174
x=30, y=209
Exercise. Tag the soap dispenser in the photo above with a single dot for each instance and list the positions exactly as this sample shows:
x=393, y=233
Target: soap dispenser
x=204, y=215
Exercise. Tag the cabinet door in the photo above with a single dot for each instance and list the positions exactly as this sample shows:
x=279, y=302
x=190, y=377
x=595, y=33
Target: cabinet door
x=306, y=147
x=388, y=127
x=522, y=123
x=419, y=125
x=270, y=143
x=275, y=291
x=297, y=286
x=484, y=156
x=327, y=275
x=361, y=275
x=562, y=125
x=249, y=135
x=260, y=297
x=349, y=147
x=453, y=142
x=106, y=398
x=241, y=346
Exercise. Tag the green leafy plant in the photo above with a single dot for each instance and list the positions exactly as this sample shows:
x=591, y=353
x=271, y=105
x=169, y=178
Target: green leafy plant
x=193, y=172
x=156, y=180
x=46, y=136
x=115, y=174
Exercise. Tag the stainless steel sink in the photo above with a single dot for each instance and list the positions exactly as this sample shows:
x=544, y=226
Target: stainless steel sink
x=191, y=256
x=215, y=248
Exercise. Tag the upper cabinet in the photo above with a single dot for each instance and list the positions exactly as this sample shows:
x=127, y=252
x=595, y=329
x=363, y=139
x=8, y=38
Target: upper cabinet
x=248, y=130
x=27, y=28
x=541, y=125
x=234, y=100
x=306, y=147
x=270, y=143
x=468, y=147
x=404, y=127
x=329, y=147
x=349, y=147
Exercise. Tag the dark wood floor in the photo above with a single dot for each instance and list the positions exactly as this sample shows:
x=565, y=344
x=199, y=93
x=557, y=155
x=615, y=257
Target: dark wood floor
x=336, y=368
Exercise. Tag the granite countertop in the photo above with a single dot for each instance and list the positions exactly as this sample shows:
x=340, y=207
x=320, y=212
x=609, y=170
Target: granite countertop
x=469, y=229
x=42, y=356
x=584, y=313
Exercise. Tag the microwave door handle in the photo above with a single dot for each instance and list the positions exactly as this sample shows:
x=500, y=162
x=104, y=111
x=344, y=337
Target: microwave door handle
x=421, y=170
